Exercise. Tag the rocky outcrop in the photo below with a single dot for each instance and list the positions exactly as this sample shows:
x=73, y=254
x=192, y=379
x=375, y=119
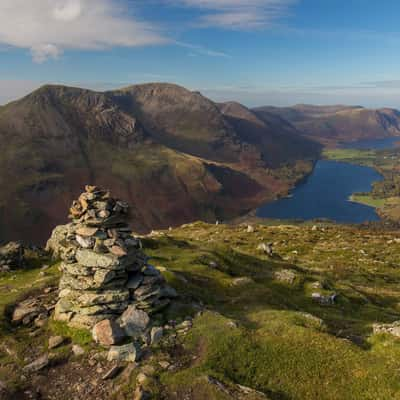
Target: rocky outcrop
x=12, y=256
x=105, y=273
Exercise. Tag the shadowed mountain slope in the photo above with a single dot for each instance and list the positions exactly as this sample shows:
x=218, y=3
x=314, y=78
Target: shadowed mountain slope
x=169, y=152
x=332, y=124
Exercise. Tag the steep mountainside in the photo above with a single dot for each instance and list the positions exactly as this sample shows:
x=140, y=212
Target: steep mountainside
x=170, y=152
x=332, y=124
x=276, y=138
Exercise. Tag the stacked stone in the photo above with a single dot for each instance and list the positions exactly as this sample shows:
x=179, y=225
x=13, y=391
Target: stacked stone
x=104, y=269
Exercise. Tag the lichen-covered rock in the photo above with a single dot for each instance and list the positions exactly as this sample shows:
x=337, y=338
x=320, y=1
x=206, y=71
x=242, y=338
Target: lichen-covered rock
x=58, y=236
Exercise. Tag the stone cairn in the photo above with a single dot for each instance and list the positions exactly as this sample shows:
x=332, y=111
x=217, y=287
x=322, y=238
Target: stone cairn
x=106, y=279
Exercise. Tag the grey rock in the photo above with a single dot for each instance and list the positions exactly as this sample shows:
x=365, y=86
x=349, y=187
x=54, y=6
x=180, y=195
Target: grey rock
x=134, y=281
x=107, y=333
x=125, y=353
x=55, y=341
x=26, y=311
x=134, y=321
x=112, y=372
x=286, y=276
x=324, y=300
x=156, y=335
x=391, y=329
x=87, y=242
x=78, y=350
x=38, y=364
x=89, y=258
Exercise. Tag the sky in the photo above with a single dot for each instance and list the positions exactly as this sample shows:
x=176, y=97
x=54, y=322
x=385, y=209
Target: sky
x=258, y=52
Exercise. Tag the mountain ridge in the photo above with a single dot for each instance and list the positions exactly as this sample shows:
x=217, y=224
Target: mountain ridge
x=168, y=151
x=331, y=125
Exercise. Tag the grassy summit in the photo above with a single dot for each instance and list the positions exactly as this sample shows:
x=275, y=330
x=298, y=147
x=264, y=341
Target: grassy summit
x=260, y=326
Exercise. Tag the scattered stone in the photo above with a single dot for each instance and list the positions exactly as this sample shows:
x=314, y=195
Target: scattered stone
x=324, y=300
x=156, y=335
x=112, y=373
x=250, y=229
x=41, y=320
x=243, y=281
x=266, y=248
x=108, y=333
x=12, y=256
x=286, y=276
x=125, y=353
x=164, y=364
x=78, y=350
x=317, y=285
x=55, y=341
x=26, y=311
x=38, y=364
x=391, y=329
x=313, y=320
x=141, y=378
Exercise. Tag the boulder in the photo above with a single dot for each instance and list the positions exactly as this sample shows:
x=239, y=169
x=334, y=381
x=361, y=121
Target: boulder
x=26, y=311
x=125, y=353
x=55, y=341
x=12, y=256
x=156, y=335
x=391, y=329
x=108, y=333
x=134, y=321
x=38, y=364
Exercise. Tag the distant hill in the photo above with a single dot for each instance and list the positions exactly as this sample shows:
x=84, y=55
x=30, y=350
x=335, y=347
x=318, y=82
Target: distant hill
x=173, y=154
x=332, y=124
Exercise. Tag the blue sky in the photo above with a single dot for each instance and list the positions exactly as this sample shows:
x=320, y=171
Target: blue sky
x=257, y=52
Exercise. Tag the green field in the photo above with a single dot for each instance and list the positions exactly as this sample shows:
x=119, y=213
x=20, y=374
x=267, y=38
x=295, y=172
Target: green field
x=368, y=200
x=353, y=156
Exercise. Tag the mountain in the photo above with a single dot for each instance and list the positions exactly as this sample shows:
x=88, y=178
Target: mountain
x=276, y=138
x=332, y=124
x=173, y=154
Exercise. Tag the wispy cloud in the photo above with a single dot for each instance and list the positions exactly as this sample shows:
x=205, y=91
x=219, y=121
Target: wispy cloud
x=48, y=27
x=197, y=49
x=239, y=14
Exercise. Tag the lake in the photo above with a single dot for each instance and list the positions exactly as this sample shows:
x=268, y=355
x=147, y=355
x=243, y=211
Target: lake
x=326, y=192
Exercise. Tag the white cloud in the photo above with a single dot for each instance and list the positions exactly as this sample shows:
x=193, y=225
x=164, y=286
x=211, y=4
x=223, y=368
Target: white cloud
x=239, y=14
x=48, y=27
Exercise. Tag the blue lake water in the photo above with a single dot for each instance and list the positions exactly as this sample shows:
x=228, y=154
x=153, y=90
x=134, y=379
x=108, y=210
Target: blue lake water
x=326, y=192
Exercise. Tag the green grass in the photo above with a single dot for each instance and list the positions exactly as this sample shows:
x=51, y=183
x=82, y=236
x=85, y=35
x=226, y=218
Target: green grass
x=368, y=200
x=353, y=156
x=267, y=334
x=275, y=348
